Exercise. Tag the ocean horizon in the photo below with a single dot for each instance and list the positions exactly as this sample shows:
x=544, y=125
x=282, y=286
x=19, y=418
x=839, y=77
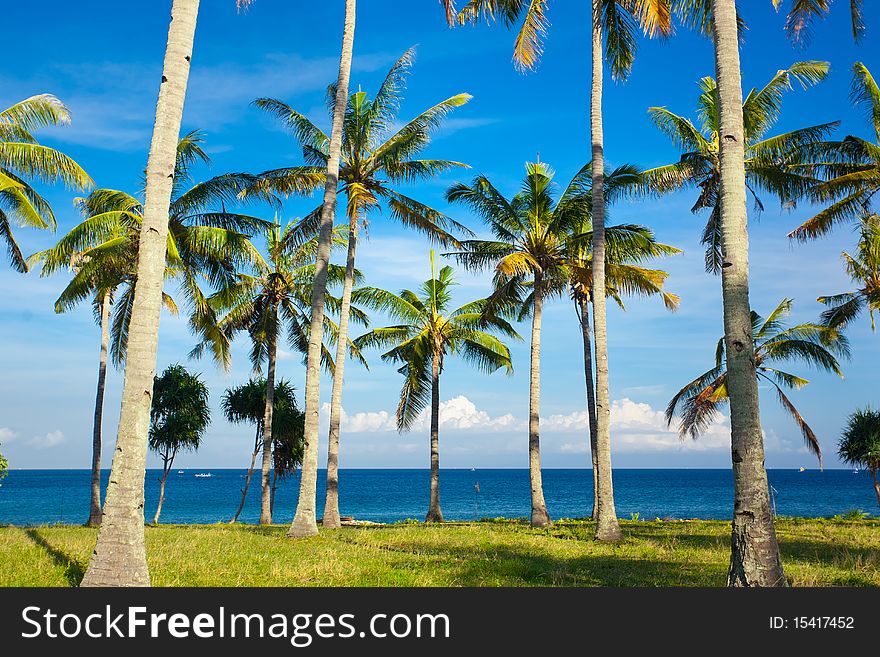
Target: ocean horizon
x=38, y=497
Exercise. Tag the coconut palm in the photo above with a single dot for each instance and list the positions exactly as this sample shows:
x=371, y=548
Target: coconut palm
x=305, y=522
x=802, y=13
x=864, y=270
x=266, y=302
x=816, y=345
x=860, y=443
x=205, y=243
x=246, y=404
x=376, y=158
x=626, y=275
x=767, y=159
x=614, y=28
x=849, y=169
x=24, y=159
x=429, y=330
x=179, y=418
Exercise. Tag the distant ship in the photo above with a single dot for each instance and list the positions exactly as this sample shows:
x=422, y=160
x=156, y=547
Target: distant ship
x=203, y=474
x=801, y=470
x=180, y=472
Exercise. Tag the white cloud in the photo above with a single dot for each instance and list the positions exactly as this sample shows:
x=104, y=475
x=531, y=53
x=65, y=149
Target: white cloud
x=51, y=439
x=7, y=435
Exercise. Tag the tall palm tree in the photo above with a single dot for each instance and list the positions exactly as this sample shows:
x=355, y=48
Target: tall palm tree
x=375, y=159
x=205, y=242
x=697, y=403
x=429, y=331
x=179, y=419
x=614, y=28
x=864, y=270
x=533, y=236
x=246, y=404
x=860, y=443
x=848, y=170
x=23, y=158
x=305, y=521
x=768, y=162
x=802, y=13
x=626, y=275
x=120, y=558
x=274, y=297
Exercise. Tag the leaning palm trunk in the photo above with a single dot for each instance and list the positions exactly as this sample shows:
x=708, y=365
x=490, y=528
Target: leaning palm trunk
x=95, y=507
x=331, y=502
x=434, y=512
x=607, y=527
x=266, y=481
x=584, y=316
x=304, y=522
x=120, y=557
x=876, y=484
x=540, y=517
x=165, y=470
x=247, y=479
x=754, y=558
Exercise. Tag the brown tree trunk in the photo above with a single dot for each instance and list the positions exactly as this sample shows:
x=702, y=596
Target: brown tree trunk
x=95, y=506
x=331, y=501
x=168, y=462
x=304, y=522
x=120, y=557
x=584, y=315
x=607, y=527
x=434, y=512
x=274, y=486
x=539, y=517
x=247, y=479
x=266, y=489
x=754, y=558
x=876, y=484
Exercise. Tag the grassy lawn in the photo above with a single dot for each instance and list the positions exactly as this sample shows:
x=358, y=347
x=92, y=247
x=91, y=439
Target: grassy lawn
x=689, y=553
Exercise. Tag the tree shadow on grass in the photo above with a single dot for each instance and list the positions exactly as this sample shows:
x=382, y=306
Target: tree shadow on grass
x=73, y=571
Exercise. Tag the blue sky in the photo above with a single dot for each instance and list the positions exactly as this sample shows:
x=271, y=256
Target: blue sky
x=105, y=65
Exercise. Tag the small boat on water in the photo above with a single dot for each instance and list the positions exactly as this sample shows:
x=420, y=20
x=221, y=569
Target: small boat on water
x=203, y=474
x=802, y=470
x=180, y=472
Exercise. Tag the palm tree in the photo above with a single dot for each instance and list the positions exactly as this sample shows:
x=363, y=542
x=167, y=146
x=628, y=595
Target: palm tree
x=529, y=255
x=429, y=331
x=179, y=419
x=305, y=522
x=697, y=403
x=864, y=270
x=246, y=404
x=849, y=170
x=23, y=158
x=768, y=159
x=265, y=303
x=615, y=24
x=375, y=158
x=803, y=12
x=204, y=242
x=626, y=275
x=120, y=557
x=860, y=443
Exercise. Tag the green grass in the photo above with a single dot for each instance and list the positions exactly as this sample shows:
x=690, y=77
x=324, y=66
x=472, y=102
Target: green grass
x=816, y=552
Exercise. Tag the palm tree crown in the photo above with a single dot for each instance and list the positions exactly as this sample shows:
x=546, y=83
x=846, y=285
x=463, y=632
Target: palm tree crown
x=768, y=159
x=23, y=158
x=816, y=345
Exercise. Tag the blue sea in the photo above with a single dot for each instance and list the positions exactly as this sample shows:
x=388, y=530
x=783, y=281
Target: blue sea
x=34, y=497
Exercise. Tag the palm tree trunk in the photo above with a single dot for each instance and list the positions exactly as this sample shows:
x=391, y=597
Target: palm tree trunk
x=540, y=517
x=304, y=522
x=95, y=507
x=876, y=484
x=331, y=501
x=166, y=468
x=266, y=479
x=120, y=556
x=607, y=527
x=434, y=512
x=584, y=316
x=274, y=487
x=754, y=558
x=247, y=479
